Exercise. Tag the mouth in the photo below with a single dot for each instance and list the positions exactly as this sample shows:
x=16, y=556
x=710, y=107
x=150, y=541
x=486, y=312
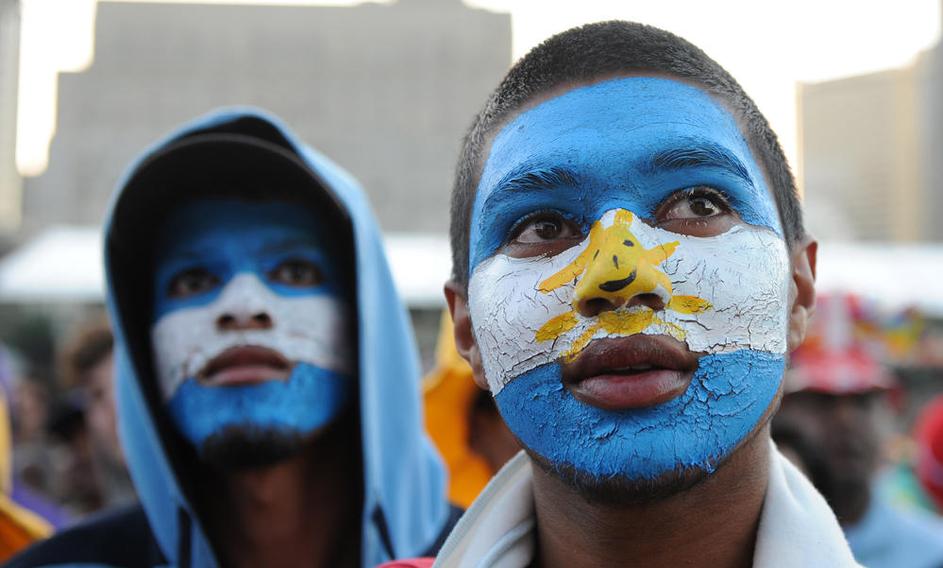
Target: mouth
x=638, y=371
x=247, y=364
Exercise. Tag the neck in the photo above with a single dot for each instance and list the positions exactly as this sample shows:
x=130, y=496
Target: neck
x=306, y=506
x=850, y=501
x=712, y=524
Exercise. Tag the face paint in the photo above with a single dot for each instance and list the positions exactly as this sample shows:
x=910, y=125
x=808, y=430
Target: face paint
x=250, y=324
x=607, y=158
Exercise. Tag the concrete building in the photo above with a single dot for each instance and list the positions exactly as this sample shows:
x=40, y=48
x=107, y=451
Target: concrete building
x=385, y=90
x=870, y=153
x=10, y=185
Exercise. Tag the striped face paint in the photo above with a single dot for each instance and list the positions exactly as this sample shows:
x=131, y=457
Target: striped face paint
x=626, y=210
x=250, y=326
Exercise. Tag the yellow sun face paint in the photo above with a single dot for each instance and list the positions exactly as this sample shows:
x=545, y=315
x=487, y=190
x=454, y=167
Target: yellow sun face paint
x=616, y=267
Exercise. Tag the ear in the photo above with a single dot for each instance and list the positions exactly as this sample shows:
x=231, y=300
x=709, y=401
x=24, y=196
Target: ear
x=802, y=290
x=465, y=342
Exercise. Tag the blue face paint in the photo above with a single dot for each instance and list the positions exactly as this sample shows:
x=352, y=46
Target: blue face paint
x=310, y=399
x=626, y=144
x=233, y=275
x=728, y=395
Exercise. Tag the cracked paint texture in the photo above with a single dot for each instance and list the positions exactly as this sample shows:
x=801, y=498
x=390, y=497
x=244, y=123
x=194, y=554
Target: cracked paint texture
x=742, y=274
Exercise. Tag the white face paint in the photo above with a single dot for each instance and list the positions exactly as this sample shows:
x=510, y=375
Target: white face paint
x=305, y=329
x=722, y=294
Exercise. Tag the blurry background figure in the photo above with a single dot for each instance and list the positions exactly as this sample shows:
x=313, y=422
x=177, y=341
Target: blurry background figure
x=18, y=526
x=835, y=419
x=463, y=422
x=96, y=473
x=929, y=462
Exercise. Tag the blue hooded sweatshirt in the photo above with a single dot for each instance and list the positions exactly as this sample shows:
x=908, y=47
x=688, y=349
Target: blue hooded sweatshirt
x=405, y=512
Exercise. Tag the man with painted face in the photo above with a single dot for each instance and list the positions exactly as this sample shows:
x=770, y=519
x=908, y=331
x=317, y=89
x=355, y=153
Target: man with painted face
x=267, y=381
x=630, y=272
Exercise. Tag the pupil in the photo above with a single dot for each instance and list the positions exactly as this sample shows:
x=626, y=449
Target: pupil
x=546, y=229
x=702, y=207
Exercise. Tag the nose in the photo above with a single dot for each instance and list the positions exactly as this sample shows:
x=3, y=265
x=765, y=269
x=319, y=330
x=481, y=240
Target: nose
x=613, y=280
x=245, y=304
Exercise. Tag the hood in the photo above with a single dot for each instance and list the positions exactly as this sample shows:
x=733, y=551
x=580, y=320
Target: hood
x=404, y=507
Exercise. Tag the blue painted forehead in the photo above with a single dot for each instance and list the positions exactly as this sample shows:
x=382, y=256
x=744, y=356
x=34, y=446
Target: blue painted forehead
x=204, y=218
x=625, y=142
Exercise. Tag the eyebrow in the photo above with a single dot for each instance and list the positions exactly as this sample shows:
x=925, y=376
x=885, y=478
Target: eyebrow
x=696, y=153
x=527, y=178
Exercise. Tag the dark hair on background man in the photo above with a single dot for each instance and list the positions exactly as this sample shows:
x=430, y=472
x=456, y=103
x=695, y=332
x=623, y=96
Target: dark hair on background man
x=597, y=51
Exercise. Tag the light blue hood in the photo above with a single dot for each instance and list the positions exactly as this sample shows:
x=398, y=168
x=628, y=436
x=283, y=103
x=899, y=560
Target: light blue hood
x=404, y=504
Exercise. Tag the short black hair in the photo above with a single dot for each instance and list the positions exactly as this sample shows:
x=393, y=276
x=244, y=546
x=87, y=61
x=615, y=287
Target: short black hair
x=598, y=51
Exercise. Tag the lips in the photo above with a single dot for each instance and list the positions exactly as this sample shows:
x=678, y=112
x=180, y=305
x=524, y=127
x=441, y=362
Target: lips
x=245, y=365
x=630, y=372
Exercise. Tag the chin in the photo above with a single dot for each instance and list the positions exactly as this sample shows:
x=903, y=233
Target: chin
x=621, y=490
x=247, y=446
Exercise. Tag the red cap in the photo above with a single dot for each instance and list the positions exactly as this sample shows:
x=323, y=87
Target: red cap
x=837, y=356
x=929, y=437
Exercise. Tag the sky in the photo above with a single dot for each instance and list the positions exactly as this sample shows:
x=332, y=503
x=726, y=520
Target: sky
x=768, y=46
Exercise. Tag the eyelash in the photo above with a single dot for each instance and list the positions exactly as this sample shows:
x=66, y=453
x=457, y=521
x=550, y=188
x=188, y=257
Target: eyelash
x=701, y=191
x=551, y=214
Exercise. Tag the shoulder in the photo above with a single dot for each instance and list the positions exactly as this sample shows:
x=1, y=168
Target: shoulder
x=120, y=538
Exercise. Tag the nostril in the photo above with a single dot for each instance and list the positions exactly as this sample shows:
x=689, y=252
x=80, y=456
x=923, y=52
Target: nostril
x=262, y=319
x=226, y=321
x=592, y=307
x=653, y=301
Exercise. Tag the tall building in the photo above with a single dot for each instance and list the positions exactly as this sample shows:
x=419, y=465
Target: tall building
x=10, y=185
x=870, y=153
x=387, y=91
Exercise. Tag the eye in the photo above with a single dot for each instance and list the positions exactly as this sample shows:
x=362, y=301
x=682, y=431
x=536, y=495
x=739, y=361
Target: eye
x=192, y=282
x=698, y=211
x=542, y=233
x=297, y=272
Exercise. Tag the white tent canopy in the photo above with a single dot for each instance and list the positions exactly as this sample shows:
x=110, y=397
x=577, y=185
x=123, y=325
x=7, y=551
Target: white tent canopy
x=64, y=264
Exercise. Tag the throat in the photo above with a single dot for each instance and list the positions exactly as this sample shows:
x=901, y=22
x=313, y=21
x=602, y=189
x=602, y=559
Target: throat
x=304, y=507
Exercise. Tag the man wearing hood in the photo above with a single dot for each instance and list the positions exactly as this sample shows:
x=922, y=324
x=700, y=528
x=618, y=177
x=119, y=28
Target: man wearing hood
x=266, y=374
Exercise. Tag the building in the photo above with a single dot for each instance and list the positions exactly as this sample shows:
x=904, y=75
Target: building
x=387, y=91
x=869, y=153
x=10, y=184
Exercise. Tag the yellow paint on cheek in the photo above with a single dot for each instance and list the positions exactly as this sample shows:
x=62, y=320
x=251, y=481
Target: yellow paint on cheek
x=557, y=326
x=688, y=304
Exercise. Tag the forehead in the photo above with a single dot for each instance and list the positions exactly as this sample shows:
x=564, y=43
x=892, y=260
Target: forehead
x=608, y=132
x=234, y=222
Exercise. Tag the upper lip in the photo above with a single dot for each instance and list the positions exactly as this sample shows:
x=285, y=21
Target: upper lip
x=632, y=354
x=242, y=356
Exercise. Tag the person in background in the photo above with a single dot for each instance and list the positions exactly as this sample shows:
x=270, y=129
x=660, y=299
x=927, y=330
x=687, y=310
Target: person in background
x=928, y=435
x=86, y=371
x=835, y=418
x=19, y=527
x=463, y=422
x=266, y=376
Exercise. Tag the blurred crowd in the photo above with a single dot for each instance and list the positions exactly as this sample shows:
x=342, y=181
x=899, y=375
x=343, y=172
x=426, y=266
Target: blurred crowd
x=64, y=460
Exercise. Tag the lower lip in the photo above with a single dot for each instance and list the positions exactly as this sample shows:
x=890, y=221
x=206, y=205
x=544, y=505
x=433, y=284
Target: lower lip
x=634, y=390
x=247, y=375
